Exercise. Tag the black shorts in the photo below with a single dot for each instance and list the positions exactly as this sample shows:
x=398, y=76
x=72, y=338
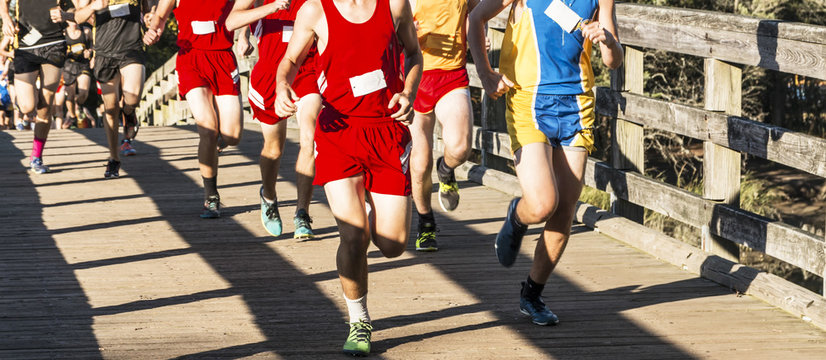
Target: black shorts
x=10, y=75
x=108, y=66
x=26, y=61
x=72, y=69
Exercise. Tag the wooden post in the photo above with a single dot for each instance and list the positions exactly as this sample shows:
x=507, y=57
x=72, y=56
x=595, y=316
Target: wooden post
x=721, y=165
x=493, y=111
x=627, y=138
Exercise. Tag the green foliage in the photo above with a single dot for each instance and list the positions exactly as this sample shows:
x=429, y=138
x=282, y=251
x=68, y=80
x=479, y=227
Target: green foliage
x=760, y=195
x=598, y=198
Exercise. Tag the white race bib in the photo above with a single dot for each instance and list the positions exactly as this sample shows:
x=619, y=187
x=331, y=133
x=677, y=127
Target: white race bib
x=561, y=14
x=203, y=27
x=119, y=10
x=77, y=49
x=286, y=33
x=367, y=83
x=32, y=37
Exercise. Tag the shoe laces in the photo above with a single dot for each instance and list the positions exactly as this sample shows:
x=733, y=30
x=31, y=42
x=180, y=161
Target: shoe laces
x=272, y=211
x=448, y=187
x=212, y=203
x=360, y=332
x=303, y=220
x=538, y=304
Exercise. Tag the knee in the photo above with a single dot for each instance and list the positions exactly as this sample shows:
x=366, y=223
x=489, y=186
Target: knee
x=113, y=112
x=420, y=166
x=391, y=249
x=231, y=140
x=81, y=97
x=271, y=150
x=540, y=210
x=459, y=151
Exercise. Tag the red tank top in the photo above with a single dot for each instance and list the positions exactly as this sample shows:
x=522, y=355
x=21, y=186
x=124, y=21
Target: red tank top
x=202, y=25
x=359, y=71
x=273, y=33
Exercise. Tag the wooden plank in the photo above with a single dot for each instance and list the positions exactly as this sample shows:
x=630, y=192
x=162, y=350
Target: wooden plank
x=779, y=240
x=797, y=150
x=627, y=138
x=776, y=45
x=774, y=290
x=721, y=165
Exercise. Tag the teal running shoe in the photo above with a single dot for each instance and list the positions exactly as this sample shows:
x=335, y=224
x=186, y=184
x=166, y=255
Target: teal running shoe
x=212, y=207
x=358, y=342
x=269, y=216
x=303, y=229
x=538, y=311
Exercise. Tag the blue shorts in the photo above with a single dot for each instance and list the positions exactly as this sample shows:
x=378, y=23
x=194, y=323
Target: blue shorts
x=559, y=120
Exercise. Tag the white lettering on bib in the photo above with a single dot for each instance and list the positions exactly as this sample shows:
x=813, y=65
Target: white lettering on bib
x=118, y=10
x=203, y=27
x=32, y=37
x=286, y=33
x=367, y=83
x=561, y=14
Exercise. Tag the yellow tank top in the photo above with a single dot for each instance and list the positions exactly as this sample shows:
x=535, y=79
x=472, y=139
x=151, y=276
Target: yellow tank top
x=442, y=34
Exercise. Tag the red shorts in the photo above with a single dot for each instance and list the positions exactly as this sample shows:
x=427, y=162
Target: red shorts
x=215, y=70
x=378, y=148
x=262, y=89
x=437, y=83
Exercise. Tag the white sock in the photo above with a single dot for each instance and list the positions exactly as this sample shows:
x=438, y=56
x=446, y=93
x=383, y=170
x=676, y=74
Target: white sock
x=357, y=309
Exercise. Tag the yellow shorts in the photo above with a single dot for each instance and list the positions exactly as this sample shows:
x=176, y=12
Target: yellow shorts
x=558, y=120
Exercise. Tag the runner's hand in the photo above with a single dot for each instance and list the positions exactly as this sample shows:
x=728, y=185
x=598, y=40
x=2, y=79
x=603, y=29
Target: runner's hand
x=285, y=99
x=147, y=18
x=405, y=112
x=56, y=15
x=597, y=33
x=150, y=37
x=100, y=4
x=496, y=84
x=9, y=29
x=280, y=5
x=244, y=46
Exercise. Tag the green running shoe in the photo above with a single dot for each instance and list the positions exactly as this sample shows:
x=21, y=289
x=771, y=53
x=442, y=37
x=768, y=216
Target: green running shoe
x=303, y=229
x=426, y=239
x=358, y=342
x=269, y=216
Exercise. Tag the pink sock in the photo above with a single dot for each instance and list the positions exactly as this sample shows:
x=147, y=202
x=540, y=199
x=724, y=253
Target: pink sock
x=37, y=147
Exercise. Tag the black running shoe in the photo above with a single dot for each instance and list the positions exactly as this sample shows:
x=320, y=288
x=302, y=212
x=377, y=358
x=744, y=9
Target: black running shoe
x=112, y=169
x=510, y=237
x=426, y=238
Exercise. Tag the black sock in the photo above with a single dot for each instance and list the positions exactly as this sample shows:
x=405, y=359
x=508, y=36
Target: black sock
x=445, y=172
x=427, y=220
x=210, y=186
x=516, y=222
x=531, y=289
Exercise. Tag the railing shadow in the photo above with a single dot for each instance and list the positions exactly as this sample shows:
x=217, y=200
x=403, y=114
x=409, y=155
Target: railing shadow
x=42, y=304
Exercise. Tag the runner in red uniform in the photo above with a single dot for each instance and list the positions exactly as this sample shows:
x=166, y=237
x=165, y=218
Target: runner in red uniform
x=362, y=143
x=271, y=22
x=207, y=78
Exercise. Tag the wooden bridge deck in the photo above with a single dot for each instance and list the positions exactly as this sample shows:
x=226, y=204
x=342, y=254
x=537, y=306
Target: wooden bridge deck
x=94, y=268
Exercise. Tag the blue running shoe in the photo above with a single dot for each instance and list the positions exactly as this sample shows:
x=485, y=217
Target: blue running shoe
x=37, y=166
x=510, y=236
x=126, y=148
x=303, y=229
x=538, y=311
x=212, y=207
x=20, y=127
x=269, y=216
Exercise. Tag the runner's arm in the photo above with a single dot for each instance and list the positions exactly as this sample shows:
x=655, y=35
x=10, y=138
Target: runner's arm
x=604, y=32
x=157, y=21
x=242, y=15
x=85, y=11
x=413, y=62
x=495, y=84
x=245, y=48
x=4, y=45
x=8, y=24
x=302, y=39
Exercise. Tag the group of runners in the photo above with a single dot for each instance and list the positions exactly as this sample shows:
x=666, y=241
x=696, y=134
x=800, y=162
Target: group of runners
x=366, y=80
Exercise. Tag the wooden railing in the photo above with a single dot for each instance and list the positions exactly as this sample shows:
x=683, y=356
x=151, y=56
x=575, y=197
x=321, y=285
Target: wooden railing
x=726, y=42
